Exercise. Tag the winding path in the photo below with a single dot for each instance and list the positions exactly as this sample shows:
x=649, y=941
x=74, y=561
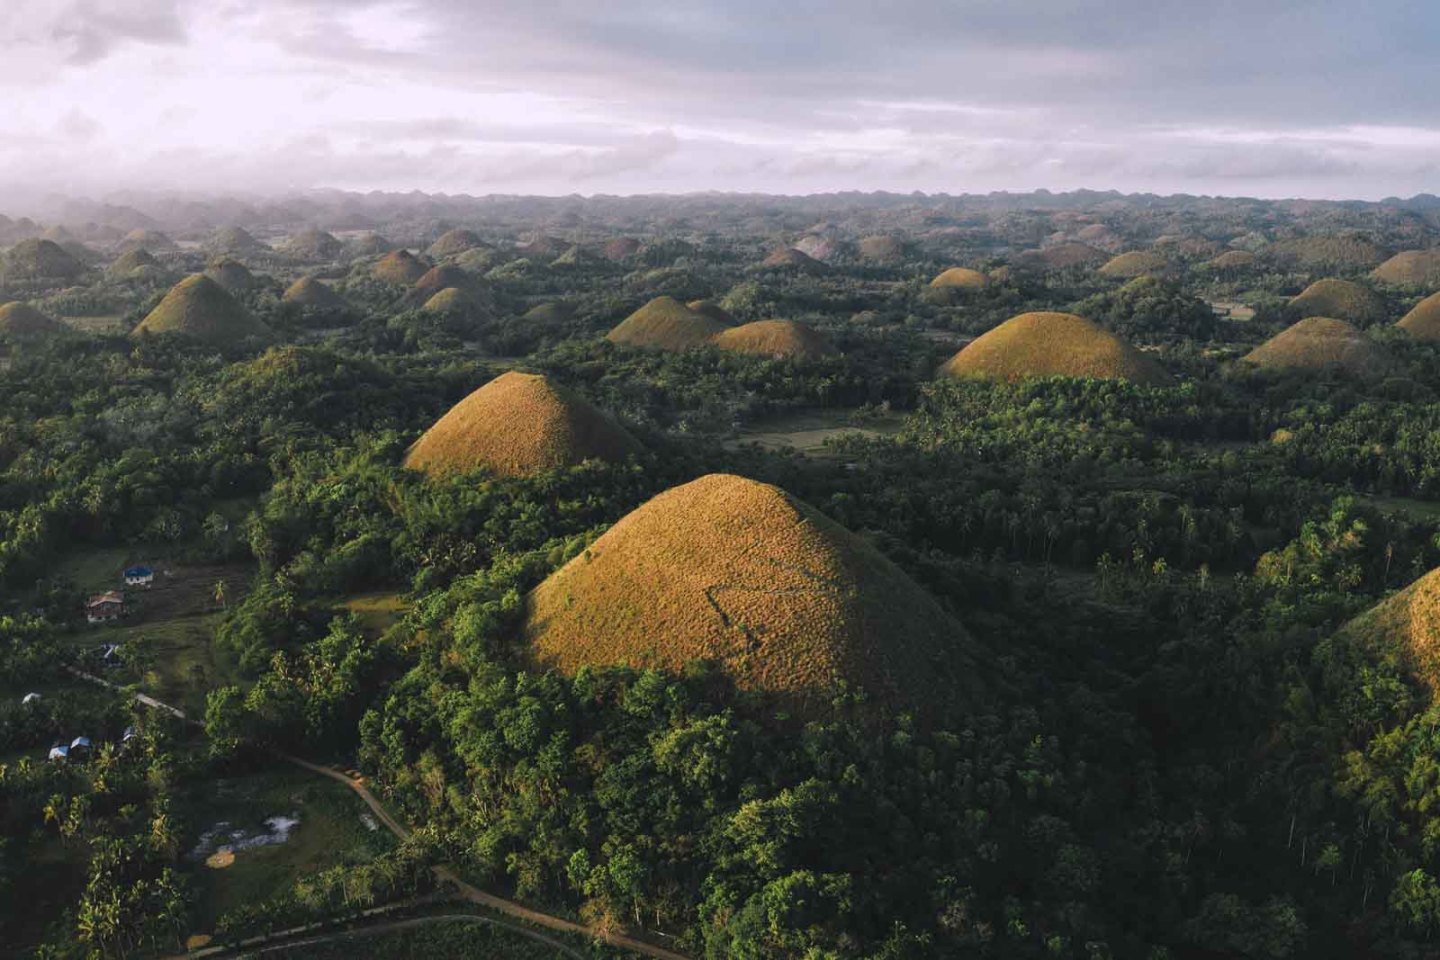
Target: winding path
x=444, y=875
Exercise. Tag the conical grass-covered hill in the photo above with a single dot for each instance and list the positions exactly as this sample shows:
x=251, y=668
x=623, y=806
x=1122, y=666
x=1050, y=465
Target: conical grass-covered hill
x=231, y=274
x=516, y=425
x=235, y=241
x=1341, y=299
x=788, y=258
x=785, y=600
x=152, y=240
x=312, y=294
x=786, y=339
x=1402, y=632
x=1321, y=343
x=440, y=278
x=134, y=264
x=314, y=244
x=454, y=242
x=1135, y=263
x=1061, y=256
x=1412, y=268
x=620, y=248
x=960, y=278
x=370, y=245
x=1233, y=261
x=400, y=267
x=554, y=313
x=37, y=259
x=1053, y=345
x=454, y=302
x=665, y=324
x=881, y=248
x=18, y=319
x=199, y=308
x=1423, y=322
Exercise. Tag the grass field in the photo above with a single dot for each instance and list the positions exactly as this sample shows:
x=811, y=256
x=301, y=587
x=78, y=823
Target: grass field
x=331, y=831
x=1232, y=310
x=809, y=433
x=1425, y=511
x=111, y=323
x=378, y=612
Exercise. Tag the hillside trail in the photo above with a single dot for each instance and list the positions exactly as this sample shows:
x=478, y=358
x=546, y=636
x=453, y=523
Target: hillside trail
x=444, y=875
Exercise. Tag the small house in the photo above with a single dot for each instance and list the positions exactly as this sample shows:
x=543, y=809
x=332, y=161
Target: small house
x=128, y=735
x=104, y=607
x=79, y=743
x=30, y=698
x=139, y=577
x=109, y=655
x=59, y=752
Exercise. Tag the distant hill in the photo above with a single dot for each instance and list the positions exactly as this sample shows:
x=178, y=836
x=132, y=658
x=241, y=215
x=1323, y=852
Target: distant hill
x=665, y=324
x=775, y=338
x=1415, y=268
x=199, y=308
x=310, y=292
x=1342, y=299
x=18, y=319
x=1423, y=321
x=1050, y=345
x=1321, y=343
x=519, y=424
x=37, y=259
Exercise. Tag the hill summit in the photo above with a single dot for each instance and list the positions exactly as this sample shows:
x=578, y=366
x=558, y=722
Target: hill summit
x=1342, y=299
x=1403, y=630
x=961, y=278
x=519, y=424
x=311, y=293
x=18, y=319
x=1319, y=343
x=1423, y=322
x=666, y=324
x=738, y=572
x=1417, y=268
x=787, y=339
x=200, y=308
x=400, y=267
x=1053, y=345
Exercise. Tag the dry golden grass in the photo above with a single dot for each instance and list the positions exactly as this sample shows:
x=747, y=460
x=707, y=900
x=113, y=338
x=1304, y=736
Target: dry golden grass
x=1328, y=250
x=1403, y=630
x=1233, y=260
x=309, y=292
x=1052, y=345
x=665, y=324
x=314, y=244
x=454, y=242
x=1321, y=343
x=400, y=267
x=1135, y=263
x=713, y=310
x=620, y=248
x=738, y=572
x=1413, y=268
x=881, y=248
x=230, y=274
x=19, y=319
x=439, y=278
x=775, y=338
x=1423, y=322
x=1339, y=298
x=37, y=259
x=199, y=307
x=519, y=424
x=370, y=245
x=961, y=278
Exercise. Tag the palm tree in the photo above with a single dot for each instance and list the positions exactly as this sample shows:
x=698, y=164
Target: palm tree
x=220, y=596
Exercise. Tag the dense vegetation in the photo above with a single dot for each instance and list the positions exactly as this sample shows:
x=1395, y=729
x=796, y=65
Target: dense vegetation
x=1177, y=751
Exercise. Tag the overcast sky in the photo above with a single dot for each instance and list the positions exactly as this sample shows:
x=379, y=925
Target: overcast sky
x=1262, y=97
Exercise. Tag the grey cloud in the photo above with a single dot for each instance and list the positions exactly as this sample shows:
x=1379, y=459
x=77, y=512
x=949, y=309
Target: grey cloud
x=88, y=30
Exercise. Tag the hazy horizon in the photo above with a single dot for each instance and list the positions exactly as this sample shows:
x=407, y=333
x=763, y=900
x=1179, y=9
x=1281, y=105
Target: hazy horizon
x=278, y=97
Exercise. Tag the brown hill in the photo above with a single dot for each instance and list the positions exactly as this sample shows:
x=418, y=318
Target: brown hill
x=665, y=324
x=312, y=294
x=1053, y=345
x=439, y=278
x=233, y=275
x=314, y=244
x=1339, y=298
x=1061, y=256
x=1232, y=260
x=134, y=263
x=1402, y=631
x=235, y=241
x=19, y=319
x=152, y=240
x=1423, y=322
x=740, y=573
x=370, y=245
x=961, y=278
x=454, y=242
x=820, y=248
x=200, y=308
x=36, y=259
x=400, y=267
x=1413, y=268
x=1328, y=250
x=775, y=338
x=454, y=301
x=713, y=310
x=620, y=248
x=881, y=249
x=1321, y=343
x=1135, y=263
x=544, y=247
x=519, y=424
x=552, y=314
x=788, y=258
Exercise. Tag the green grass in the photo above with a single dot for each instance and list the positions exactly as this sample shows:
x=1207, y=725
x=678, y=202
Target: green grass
x=331, y=831
x=1425, y=511
x=180, y=662
x=809, y=433
x=98, y=569
x=378, y=612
